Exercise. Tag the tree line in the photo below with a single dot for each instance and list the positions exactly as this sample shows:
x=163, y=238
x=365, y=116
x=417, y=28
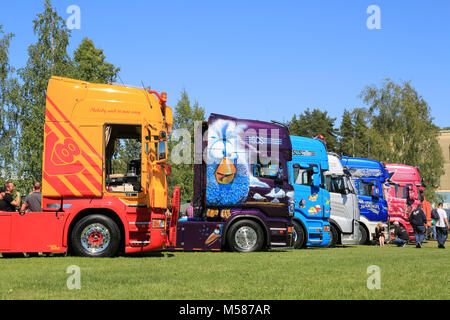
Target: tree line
x=396, y=126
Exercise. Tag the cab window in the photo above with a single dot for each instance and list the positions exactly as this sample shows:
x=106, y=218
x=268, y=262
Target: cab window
x=303, y=176
x=268, y=171
x=335, y=184
x=123, y=149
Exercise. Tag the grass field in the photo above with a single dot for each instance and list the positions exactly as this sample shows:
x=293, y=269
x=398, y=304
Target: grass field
x=339, y=273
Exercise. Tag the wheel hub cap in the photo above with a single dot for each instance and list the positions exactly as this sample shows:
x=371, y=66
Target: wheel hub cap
x=246, y=238
x=95, y=238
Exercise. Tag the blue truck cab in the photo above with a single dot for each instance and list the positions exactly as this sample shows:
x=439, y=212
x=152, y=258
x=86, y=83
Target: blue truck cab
x=312, y=200
x=369, y=176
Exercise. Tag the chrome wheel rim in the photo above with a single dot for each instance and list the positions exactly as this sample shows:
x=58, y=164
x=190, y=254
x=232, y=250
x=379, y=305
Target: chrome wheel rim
x=95, y=238
x=246, y=238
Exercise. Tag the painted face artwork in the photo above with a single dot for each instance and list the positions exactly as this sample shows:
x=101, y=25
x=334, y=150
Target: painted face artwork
x=227, y=172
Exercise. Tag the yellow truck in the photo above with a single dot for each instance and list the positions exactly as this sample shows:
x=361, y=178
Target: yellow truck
x=90, y=206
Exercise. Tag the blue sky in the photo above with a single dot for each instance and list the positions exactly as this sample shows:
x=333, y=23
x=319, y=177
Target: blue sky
x=260, y=59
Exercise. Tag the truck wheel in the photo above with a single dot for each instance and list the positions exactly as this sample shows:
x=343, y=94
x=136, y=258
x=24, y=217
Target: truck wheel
x=334, y=236
x=364, y=235
x=95, y=236
x=299, y=236
x=245, y=236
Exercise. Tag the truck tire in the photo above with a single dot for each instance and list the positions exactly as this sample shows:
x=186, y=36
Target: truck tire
x=364, y=235
x=299, y=236
x=95, y=236
x=245, y=236
x=334, y=236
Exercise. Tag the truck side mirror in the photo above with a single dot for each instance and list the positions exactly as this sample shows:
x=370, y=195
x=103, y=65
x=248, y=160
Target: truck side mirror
x=316, y=180
x=279, y=178
x=375, y=192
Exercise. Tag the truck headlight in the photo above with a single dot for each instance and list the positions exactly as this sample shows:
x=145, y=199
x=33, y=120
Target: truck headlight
x=158, y=223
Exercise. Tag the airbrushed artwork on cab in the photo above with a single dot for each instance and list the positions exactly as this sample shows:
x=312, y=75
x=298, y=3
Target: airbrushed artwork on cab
x=311, y=207
x=227, y=173
x=215, y=235
x=230, y=181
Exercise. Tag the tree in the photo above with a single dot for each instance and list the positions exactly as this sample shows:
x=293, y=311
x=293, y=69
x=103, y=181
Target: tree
x=315, y=122
x=184, y=118
x=404, y=129
x=362, y=141
x=347, y=135
x=90, y=64
x=45, y=58
x=8, y=121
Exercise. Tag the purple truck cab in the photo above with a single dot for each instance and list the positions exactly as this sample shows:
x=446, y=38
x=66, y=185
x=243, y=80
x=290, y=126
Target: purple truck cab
x=242, y=197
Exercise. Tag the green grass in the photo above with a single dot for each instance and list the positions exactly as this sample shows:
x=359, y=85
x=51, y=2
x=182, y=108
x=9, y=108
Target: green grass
x=339, y=273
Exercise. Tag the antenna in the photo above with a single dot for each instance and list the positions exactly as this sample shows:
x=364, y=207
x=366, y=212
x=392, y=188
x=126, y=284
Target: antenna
x=146, y=94
x=121, y=80
x=281, y=124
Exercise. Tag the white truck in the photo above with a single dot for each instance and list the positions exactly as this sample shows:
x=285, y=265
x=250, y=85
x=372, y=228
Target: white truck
x=345, y=215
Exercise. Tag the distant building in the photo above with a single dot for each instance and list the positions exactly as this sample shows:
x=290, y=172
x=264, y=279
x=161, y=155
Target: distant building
x=444, y=185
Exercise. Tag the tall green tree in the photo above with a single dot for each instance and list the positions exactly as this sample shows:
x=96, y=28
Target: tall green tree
x=91, y=65
x=8, y=119
x=402, y=124
x=185, y=115
x=347, y=135
x=362, y=141
x=315, y=122
x=47, y=57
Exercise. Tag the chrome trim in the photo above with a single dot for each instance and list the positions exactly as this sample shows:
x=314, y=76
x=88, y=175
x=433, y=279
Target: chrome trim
x=278, y=229
x=278, y=243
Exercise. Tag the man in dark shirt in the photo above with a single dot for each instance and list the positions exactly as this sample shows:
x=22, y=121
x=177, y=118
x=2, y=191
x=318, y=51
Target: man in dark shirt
x=400, y=234
x=418, y=221
x=5, y=201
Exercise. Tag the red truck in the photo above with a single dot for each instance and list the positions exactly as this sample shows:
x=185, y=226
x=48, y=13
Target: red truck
x=403, y=192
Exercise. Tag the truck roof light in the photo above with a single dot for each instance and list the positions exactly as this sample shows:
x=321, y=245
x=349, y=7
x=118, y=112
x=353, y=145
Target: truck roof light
x=321, y=137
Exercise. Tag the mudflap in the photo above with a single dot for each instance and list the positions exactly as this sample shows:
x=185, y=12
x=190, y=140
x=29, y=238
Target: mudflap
x=199, y=236
x=171, y=239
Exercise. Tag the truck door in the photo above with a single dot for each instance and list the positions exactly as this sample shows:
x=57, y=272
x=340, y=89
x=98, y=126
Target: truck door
x=368, y=195
x=157, y=167
x=307, y=193
x=341, y=204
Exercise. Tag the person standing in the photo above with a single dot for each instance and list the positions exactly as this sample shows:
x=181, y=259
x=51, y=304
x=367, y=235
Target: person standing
x=441, y=226
x=33, y=200
x=418, y=221
x=5, y=201
x=9, y=186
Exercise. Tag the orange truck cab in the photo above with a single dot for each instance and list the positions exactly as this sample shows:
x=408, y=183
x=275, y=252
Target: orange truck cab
x=93, y=203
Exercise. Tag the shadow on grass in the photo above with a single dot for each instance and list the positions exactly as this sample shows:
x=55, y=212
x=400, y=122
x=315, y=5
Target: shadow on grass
x=159, y=254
